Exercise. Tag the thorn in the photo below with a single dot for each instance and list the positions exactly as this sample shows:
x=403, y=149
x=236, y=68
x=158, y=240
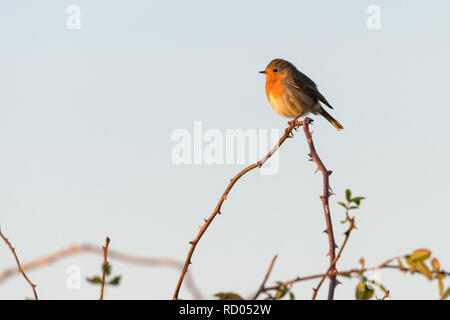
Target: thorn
x=191, y=242
x=332, y=194
x=311, y=133
x=317, y=169
x=330, y=172
x=337, y=282
x=218, y=212
x=325, y=231
x=205, y=219
x=200, y=227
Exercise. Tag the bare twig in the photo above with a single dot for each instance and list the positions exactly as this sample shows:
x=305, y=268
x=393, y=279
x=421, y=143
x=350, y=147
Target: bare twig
x=105, y=266
x=19, y=267
x=326, y=194
x=269, y=270
x=287, y=134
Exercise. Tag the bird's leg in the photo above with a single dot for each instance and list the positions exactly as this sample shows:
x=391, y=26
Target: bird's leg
x=295, y=123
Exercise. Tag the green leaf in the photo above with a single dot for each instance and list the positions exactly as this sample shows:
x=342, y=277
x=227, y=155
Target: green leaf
x=446, y=294
x=363, y=292
x=342, y=204
x=441, y=286
x=115, y=281
x=423, y=269
x=357, y=200
x=96, y=280
x=348, y=195
x=420, y=255
x=228, y=296
x=281, y=292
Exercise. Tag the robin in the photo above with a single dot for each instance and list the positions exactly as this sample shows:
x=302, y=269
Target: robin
x=292, y=94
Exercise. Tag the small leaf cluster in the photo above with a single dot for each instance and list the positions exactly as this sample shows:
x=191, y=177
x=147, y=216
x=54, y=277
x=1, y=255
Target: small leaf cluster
x=112, y=280
x=417, y=262
x=351, y=203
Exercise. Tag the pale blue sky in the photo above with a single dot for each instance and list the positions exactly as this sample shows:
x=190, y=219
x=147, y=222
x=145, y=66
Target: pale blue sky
x=86, y=118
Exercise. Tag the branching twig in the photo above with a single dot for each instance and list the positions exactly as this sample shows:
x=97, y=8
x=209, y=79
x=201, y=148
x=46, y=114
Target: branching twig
x=19, y=267
x=105, y=266
x=287, y=134
x=346, y=273
x=261, y=288
x=326, y=194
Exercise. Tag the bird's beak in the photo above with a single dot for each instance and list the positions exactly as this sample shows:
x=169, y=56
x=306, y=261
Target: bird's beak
x=263, y=72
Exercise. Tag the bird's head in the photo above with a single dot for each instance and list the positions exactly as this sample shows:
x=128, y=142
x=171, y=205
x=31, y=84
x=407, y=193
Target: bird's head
x=277, y=68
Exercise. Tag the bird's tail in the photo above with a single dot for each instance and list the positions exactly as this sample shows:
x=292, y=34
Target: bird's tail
x=332, y=120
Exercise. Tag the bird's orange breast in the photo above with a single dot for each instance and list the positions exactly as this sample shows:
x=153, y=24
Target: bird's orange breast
x=275, y=86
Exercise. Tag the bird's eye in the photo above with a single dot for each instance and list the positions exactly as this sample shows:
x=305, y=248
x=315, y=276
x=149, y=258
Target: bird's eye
x=275, y=70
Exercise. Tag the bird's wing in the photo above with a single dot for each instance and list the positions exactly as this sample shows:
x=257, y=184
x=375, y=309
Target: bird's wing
x=301, y=81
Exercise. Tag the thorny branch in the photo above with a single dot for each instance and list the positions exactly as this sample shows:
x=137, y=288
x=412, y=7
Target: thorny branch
x=326, y=194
